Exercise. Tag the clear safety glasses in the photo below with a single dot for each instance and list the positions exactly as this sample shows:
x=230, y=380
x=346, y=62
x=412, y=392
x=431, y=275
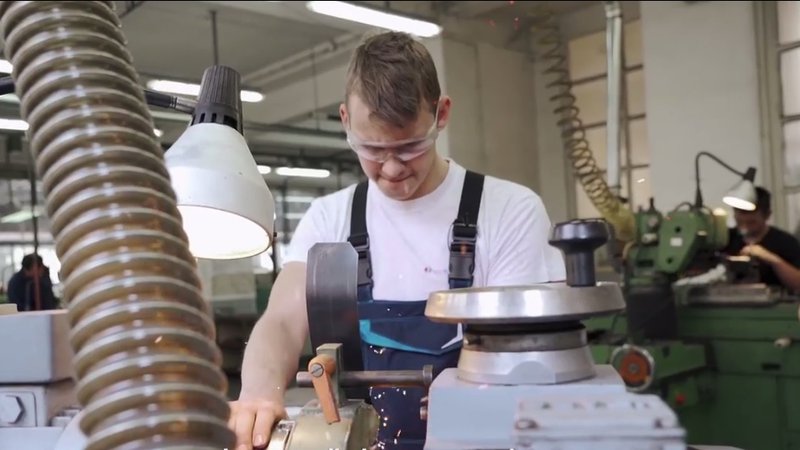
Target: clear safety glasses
x=404, y=150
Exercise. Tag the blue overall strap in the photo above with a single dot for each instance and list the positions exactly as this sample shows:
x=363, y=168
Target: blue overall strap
x=465, y=232
x=396, y=335
x=359, y=238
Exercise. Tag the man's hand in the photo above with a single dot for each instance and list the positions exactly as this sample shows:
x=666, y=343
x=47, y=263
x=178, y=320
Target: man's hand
x=759, y=252
x=252, y=421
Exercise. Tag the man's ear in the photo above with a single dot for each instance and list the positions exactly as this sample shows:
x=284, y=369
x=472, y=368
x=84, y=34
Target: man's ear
x=343, y=114
x=445, y=103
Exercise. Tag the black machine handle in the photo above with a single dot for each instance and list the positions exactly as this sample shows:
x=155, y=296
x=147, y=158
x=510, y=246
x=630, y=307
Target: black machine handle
x=578, y=239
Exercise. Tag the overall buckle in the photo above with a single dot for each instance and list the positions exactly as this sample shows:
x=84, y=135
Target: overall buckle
x=462, y=251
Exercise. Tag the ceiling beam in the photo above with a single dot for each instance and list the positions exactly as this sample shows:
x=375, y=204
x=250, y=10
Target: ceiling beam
x=318, y=56
x=301, y=98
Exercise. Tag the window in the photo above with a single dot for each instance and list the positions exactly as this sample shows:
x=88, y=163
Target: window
x=788, y=58
x=587, y=64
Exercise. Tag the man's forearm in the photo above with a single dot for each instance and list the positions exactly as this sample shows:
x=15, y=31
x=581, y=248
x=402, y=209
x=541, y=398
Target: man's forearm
x=270, y=360
x=788, y=274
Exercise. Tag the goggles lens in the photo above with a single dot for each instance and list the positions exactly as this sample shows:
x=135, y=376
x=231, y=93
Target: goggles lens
x=404, y=150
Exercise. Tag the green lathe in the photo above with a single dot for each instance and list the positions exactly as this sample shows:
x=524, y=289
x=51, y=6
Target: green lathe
x=702, y=332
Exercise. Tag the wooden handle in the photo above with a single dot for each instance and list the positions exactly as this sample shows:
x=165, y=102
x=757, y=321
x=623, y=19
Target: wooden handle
x=321, y=367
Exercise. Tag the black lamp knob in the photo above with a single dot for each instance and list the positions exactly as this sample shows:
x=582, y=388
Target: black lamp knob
x=578, y=239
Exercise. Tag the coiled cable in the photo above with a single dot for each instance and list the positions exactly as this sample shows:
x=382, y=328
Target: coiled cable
x=550, y=49
x=146, y=363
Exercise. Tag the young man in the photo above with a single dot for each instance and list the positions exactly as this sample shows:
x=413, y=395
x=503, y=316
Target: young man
x=22, y=289
x=777, y=250
x=415, y=204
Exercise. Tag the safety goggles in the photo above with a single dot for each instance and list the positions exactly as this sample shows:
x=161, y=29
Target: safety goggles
x=404, y=150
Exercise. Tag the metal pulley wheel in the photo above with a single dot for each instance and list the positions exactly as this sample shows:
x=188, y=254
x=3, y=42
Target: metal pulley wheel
x=635, y=365
x=332, y=304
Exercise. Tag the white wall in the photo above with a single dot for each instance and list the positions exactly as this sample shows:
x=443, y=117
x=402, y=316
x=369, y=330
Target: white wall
x=701, y=90
x=493, y=124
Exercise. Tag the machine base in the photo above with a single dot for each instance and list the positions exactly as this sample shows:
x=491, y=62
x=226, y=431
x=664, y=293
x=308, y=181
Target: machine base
x=463, y=415
x=544, y=367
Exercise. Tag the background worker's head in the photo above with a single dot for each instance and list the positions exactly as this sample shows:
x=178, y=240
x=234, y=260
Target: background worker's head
x=754, y=224
x=393, y=112
x=32, y=263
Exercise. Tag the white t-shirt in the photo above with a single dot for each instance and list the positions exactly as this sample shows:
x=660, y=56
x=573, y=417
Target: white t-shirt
x=409, y=239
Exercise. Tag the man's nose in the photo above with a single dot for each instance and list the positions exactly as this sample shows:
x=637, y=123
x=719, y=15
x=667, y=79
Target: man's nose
x=392, y=167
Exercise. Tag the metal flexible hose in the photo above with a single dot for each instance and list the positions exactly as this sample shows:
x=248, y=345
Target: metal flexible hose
x=146, y=363
x=551, y=50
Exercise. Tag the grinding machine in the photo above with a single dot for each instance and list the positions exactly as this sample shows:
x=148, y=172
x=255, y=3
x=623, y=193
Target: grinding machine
x=525, y=376
x=704, y=333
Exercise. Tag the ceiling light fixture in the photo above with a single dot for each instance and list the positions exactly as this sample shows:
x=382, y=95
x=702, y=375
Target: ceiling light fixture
x=13, y=124
x=179, y=88
x=23, y=215
x=263, y=170
x=375, y=18
x=302, y=172
x=21, y=125
x=5, y=66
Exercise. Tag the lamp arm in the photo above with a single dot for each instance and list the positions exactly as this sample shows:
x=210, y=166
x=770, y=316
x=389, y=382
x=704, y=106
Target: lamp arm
x=698, y=196
x=169, y=101
x=153, y=98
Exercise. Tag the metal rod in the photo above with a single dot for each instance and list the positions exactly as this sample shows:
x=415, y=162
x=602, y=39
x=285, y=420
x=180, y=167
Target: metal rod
x=614, y=70
x=37, y=273
x=378, y=378
x=214, y=40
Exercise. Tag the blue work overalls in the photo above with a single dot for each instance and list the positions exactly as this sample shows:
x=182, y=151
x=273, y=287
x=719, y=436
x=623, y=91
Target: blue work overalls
x=396, y=335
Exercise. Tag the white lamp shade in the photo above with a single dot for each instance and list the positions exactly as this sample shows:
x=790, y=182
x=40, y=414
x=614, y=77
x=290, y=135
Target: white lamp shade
x=741, y=196
x=227, y=209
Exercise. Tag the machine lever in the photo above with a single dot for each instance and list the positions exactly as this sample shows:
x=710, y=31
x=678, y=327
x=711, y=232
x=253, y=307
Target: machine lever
x=374, y=378
x=321, y=367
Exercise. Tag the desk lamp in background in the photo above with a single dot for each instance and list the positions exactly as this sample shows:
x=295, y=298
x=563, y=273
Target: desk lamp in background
x=741, y=196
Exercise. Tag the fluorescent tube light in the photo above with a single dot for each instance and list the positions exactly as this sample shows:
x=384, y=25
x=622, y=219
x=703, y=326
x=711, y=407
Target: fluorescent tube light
x=22, y=215
x=193, y=90
x=21, y=125
x=263, y=170
x=299, y=199
x=5, y=66
x=9, y=98
x=13, y=124
x=177, y=116
x=375, y=18
x=302, y=172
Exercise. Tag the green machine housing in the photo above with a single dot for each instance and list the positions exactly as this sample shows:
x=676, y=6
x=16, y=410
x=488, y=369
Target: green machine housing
x=724, y=354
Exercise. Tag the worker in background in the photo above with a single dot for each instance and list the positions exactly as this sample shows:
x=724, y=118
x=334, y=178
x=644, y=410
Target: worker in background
x=777, y=251
x=22, y=288
x=415, y=207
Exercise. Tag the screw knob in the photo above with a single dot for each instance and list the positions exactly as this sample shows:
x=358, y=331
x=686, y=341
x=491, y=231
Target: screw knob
x=578, y=239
